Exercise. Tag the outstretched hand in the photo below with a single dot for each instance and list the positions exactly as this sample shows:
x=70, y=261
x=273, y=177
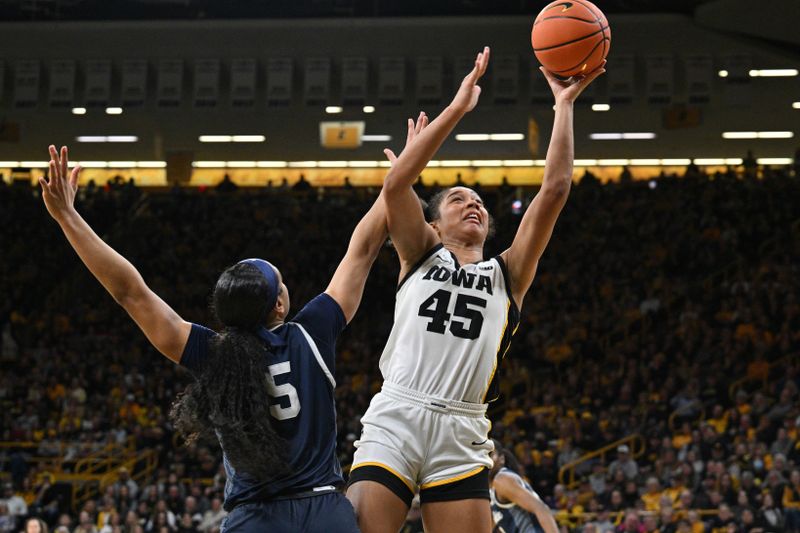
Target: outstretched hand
x=466, y=98
x=414, y=129
x=59, y=189
x=568, y=90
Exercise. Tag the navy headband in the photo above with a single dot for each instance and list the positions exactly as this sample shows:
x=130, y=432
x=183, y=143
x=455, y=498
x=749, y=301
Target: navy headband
x=271, y=275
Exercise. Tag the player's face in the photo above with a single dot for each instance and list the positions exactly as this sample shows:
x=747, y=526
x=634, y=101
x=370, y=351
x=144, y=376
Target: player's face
x=283, y=297
x=462, y=216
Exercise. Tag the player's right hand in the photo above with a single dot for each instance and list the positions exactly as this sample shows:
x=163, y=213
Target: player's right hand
x=58, y=191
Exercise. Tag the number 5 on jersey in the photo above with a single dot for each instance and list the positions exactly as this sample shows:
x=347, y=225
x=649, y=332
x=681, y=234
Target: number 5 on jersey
x=283, y=390
x=436, y=308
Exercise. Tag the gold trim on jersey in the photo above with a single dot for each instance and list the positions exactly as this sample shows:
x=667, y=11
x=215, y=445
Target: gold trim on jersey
x=497, y=353
x=451, y=479
x=390, y=469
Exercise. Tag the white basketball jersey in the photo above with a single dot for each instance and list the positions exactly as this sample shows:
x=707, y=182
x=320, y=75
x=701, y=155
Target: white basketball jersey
x=452, y=327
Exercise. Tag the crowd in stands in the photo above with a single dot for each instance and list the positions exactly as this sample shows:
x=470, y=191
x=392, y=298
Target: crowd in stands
x=652, y=300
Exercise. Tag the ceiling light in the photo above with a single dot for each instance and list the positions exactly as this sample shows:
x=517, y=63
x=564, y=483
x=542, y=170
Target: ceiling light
x=605, y=136
x=369, y=109
x=333, y=109
x=113, y=111
x=601, y=107
x=773, y=73
x=472, y=137
x=506, y=137
x=757, y=134
x=78, y=110
x=248, y=138
x=774, y=161
x=639, y=135
x=376, y=138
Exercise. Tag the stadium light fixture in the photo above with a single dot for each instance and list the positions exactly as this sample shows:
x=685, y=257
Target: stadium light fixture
x=773, y=73
x=113, y=111
x=774, y=161
x=368, y=109
x=757, y=134
x=78, y=110
x=333, y=109
x=601, y=107
x=472, y=137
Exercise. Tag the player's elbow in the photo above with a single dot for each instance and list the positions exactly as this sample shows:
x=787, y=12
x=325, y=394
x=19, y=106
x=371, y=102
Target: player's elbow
x=556, y=190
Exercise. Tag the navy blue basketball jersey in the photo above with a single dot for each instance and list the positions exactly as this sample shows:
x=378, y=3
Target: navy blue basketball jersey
x=508, y=516
x=300, y=368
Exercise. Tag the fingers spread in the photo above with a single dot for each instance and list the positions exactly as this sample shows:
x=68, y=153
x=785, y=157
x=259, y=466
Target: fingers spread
x=73, y=178
x=64, y=162
x=420, y=123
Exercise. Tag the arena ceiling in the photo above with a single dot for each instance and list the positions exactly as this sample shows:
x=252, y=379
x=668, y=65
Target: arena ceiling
x=42, y=10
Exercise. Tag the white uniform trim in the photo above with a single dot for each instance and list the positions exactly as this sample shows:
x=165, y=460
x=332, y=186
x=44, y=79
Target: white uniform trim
x=317, y=355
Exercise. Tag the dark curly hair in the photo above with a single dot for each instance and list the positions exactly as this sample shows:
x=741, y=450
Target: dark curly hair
x=229, y=400
x=432, y=214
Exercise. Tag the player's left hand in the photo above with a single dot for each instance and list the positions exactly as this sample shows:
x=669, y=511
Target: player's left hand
x=414, y=129
x=469, y=91
x=58, y=191
x=568, y=90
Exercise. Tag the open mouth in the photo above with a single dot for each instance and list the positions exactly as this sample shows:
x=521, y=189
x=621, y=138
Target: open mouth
x=473, y=217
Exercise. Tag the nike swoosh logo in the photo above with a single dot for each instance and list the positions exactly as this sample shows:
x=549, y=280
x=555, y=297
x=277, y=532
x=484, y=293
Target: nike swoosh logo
x=479, y=443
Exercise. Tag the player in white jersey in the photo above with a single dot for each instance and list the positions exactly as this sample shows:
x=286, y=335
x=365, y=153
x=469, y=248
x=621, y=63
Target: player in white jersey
x=454, y=316
x=516, y=508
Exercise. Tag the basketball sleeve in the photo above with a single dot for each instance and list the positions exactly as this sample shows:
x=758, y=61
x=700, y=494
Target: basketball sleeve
x=196, y=350
x=324, y=320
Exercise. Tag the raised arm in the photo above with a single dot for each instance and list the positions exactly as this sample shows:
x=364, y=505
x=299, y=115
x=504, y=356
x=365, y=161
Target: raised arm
x=347, y=284
x=165, y=330
x=411, y=235
x=507, y=488
x=537, y=224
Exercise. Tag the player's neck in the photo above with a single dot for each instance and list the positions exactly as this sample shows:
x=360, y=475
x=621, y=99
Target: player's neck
x=465, y=252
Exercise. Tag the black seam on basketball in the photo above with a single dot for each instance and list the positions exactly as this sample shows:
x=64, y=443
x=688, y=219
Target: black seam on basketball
x=592, y=11
x=559, y=45
x=565, y=17
x=582, y=60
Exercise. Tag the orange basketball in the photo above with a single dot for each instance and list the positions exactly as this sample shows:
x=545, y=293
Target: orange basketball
x=571, y=38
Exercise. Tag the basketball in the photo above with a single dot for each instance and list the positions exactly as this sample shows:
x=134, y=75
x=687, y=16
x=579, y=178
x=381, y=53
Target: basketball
x=571, y=38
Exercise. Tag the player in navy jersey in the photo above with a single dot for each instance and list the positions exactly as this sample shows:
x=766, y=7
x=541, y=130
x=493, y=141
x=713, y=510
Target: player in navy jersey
x=264, y=386
x=516, y=508
x=455, y=313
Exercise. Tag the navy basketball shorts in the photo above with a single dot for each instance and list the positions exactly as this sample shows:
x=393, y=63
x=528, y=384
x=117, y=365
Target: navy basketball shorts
x=325, y=513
